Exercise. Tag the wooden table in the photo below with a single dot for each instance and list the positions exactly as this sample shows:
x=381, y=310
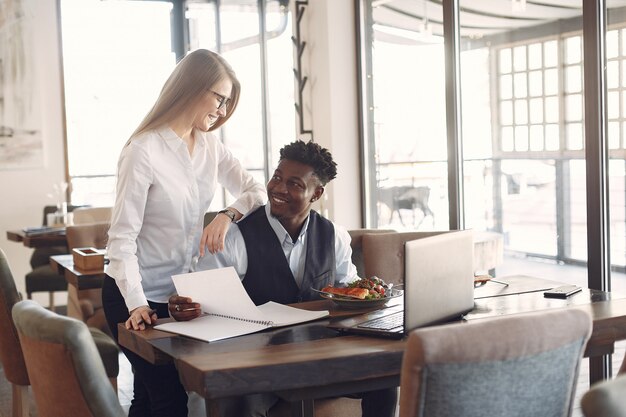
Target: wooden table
x=81, y=279
x=37, y=240
x=310, y=361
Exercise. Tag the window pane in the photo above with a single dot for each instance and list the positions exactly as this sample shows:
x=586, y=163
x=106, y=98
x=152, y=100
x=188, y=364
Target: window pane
x=573, y=79
x=506, y=87
x=612, y=99
x=573, y=107
x=550, y=54
x=519, y=58
x=535, y=83
x=574, y=134
x=506, y=112
x=536, y=110
x=534, y=56
x=552, y=137
x=117, y=81
x=552, y=109
x=573, y=50
x=521, y=112
x=614, y=135
x=408, y=164
x=505, y=60
x=612, y=74
x=612, y=44
x=536, y=138
x=521, y=138
x=551, y=82
x=519, y=85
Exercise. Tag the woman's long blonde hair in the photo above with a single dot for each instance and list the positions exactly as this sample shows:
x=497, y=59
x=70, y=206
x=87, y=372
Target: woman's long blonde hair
x=193, y=76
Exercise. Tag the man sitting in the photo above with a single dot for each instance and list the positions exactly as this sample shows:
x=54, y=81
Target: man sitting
x=281, y=251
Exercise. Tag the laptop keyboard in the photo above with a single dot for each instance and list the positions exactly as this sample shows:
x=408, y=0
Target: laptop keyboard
x=384, y=323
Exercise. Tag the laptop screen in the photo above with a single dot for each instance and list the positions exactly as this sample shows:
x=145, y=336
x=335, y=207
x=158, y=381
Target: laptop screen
x=438, y=287
x=439, y=278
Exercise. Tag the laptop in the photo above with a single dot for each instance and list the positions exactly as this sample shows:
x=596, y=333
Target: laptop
x=438, y=287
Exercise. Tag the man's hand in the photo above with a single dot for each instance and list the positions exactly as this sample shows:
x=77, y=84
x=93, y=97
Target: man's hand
x=139, y=317
x=183, y=308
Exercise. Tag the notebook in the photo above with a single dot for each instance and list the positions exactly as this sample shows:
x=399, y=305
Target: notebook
x=438, y=287
x=228, y=310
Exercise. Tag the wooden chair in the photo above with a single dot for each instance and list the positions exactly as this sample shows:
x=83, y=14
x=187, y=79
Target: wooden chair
x=11, y=354
x=43, y=278
x=520, y=365
x=605, y=399
x=67, y=377
x=86, y=305
x=383, y=254
x=84, y=215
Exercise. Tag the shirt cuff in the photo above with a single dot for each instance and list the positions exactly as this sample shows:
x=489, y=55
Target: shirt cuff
x=135, y=299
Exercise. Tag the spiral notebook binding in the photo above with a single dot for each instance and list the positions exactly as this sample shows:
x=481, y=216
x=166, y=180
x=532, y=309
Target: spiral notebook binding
x=263, y=322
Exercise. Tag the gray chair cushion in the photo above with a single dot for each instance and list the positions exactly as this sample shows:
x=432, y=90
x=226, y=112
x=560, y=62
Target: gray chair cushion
x=519, y=365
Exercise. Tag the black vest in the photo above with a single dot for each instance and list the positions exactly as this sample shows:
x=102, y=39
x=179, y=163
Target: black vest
x=269, y=278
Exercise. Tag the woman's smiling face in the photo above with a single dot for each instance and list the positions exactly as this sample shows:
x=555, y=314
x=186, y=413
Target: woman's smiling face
x=208, y=109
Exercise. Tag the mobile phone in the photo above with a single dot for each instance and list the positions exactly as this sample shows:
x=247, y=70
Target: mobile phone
x=563, y=291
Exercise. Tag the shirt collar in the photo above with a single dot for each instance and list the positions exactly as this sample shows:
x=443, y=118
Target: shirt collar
x=175, y=142
x=280, y=231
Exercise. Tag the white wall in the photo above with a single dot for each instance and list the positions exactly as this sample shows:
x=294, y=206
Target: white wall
x=24, y=191
x=330, y=64
x=329, y=32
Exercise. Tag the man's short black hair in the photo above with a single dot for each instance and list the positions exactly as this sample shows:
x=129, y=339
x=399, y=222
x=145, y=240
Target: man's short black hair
x=312, y=154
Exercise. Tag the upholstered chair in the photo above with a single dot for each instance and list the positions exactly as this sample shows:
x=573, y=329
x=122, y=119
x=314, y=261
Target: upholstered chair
x=606, y=399
x=68, y=378
x=11, y=354
x=383, y=254
x=86, y=305
x=10, y=349
x=524, y=364
x=356, y=243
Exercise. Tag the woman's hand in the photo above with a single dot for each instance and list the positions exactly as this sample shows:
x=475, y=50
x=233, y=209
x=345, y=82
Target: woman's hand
x=214, y=233
x=183, y=308
x=139, y=317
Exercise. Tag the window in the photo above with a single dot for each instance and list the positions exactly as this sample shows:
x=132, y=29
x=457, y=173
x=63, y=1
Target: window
x=113, y=73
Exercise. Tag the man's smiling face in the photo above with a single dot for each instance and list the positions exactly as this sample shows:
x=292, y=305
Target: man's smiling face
x=292, y=189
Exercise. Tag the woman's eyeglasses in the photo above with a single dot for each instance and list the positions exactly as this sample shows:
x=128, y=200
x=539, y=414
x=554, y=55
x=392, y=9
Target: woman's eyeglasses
x=222, y=100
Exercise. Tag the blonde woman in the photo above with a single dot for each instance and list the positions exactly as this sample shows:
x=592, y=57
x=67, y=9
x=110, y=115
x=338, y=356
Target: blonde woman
x=168, y=172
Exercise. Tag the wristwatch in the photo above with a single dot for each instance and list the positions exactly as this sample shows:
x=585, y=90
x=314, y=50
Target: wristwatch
x=231, y=214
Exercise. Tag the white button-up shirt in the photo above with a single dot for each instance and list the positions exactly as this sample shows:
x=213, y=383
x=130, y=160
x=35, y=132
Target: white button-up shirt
x=235, y=254
x=162, y=195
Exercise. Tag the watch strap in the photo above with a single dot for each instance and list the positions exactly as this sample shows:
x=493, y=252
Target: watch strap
x=229, y=213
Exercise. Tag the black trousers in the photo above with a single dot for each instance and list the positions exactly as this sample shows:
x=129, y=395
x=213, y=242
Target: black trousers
x=157, y=388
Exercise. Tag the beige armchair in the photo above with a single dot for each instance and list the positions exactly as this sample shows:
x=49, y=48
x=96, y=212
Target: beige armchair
x=11, y=354
x=86, y=305
x=383, y=254
x=67, y=376
x=356, y=243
